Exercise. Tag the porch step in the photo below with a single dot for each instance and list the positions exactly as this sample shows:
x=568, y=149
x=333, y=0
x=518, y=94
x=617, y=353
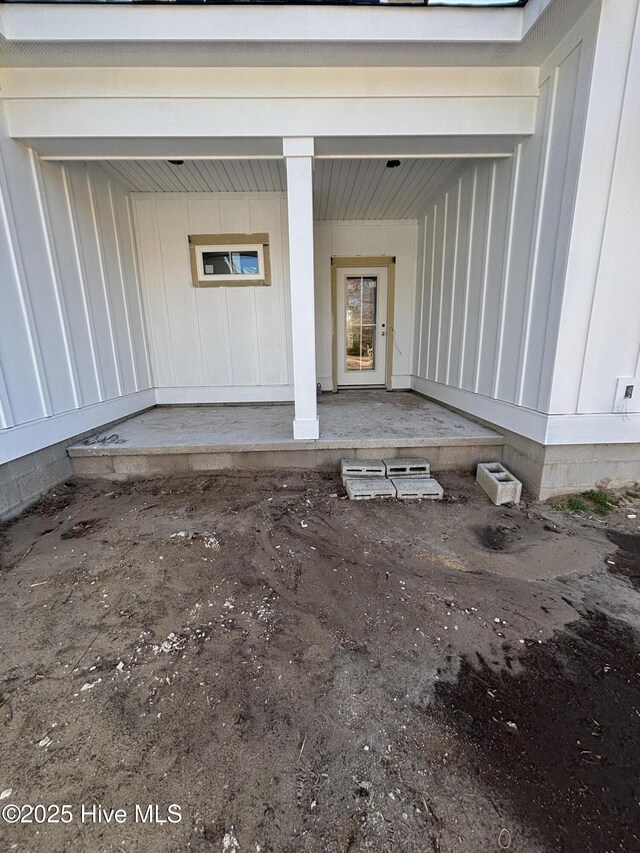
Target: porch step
x=403, y=467
x=368, y=488
x=417, y=488
x=361, y=468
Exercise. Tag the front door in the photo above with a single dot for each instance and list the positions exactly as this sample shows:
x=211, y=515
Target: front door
x=361, y=325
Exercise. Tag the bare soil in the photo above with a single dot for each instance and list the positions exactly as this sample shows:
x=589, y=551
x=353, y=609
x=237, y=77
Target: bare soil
x=302, y=673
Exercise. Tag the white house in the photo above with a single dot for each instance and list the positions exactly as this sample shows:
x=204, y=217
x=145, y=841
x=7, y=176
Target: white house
x=233, y=203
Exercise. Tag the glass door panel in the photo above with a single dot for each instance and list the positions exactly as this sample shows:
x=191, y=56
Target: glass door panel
x=361, y=310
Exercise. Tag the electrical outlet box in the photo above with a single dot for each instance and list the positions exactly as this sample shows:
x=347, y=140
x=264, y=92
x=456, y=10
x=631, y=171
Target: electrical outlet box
x=627, y=397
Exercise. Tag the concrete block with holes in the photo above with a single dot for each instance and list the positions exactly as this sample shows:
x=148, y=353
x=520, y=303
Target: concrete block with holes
x=414, y=467
x=368, y=488
x=499, y=484
x=361, y=468
x=417, y=488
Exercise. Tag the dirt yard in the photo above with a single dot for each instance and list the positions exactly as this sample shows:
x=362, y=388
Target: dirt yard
x=297, y=672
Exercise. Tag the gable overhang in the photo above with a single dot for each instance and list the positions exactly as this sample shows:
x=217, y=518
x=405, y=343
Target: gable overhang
x=121, y=22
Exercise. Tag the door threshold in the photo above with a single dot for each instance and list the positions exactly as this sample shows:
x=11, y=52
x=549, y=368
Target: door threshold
x=361, y=388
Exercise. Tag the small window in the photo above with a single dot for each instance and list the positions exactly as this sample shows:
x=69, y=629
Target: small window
x=229, y=259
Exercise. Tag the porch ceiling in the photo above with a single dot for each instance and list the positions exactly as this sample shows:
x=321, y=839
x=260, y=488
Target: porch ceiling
x=343, y=189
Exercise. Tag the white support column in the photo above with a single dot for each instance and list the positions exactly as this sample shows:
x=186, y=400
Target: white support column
x=298, y=152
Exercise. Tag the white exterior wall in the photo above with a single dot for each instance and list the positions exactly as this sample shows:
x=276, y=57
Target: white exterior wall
x=72, y=343
x=228, y=344
x=368, y=238
x=599, y=341
x=493, y=258
x=214, y=344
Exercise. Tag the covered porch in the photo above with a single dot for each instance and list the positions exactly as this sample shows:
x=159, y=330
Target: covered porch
x=174, y=439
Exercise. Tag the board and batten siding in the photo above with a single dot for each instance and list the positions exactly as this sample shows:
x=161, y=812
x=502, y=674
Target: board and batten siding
x=493, y=252
x=214, y=344
x=396, y=238
x=73, y=351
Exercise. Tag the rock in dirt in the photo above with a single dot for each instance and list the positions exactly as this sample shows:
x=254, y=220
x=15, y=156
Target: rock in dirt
x=229, y=842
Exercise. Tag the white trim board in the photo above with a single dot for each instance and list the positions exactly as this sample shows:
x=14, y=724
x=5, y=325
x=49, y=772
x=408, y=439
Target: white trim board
x=202, y=394
x=606, y=428
x=526, y=422
x=36, y=435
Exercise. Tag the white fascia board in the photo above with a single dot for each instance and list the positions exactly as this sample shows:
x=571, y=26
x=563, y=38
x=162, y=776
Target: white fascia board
x=254, y=23
x=259, y=148
x=286, y=82
x=198, y=117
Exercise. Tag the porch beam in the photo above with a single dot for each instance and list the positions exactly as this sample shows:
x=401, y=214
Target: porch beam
x=298, y=153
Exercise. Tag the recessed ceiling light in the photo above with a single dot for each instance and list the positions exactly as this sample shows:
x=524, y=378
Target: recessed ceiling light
x=176, y=162
x=393, y=164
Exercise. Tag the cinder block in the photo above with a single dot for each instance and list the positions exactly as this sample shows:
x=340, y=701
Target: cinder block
x=361, y=468
x=499, y=484
x=92, y=466
x=406, y=467
x=210, y=461
x=417, y=488
x=367, y=488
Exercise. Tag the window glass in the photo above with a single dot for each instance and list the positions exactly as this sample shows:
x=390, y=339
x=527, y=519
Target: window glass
x=245, y=262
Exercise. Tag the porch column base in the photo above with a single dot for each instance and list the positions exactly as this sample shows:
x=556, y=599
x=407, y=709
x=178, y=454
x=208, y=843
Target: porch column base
x=309, y=429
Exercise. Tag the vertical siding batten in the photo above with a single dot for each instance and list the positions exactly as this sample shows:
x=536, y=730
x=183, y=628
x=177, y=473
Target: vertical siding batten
x=535, y=252
x=465, y=310
x=100, y=260
x=454, y=271
x=18, y=277
x=483, y=294
x=506, y=274
x=91, y=333
x=70, y=355
x=149, y=381
x=123, y=287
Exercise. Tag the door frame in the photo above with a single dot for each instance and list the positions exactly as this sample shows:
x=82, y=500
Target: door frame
x=388, y=261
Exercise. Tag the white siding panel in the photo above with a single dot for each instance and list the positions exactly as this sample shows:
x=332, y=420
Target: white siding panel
x=153, y=289
x=71, y=326
x=213, y=337
x=496, y=250
x=63, y=234
x=108, y=246
x=24, y=400
x=95, y=286
x=496, y=247
x=40, y=288
x=241, y=305
x=459, y=280
x=174, y=254
x=211, y=302
x=269, y=312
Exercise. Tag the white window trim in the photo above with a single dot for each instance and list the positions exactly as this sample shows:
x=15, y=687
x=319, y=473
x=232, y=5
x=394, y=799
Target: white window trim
x=231, y=247
x=199, y=243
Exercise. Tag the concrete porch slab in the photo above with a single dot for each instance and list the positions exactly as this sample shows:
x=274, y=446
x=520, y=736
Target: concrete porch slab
x=360, y=425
